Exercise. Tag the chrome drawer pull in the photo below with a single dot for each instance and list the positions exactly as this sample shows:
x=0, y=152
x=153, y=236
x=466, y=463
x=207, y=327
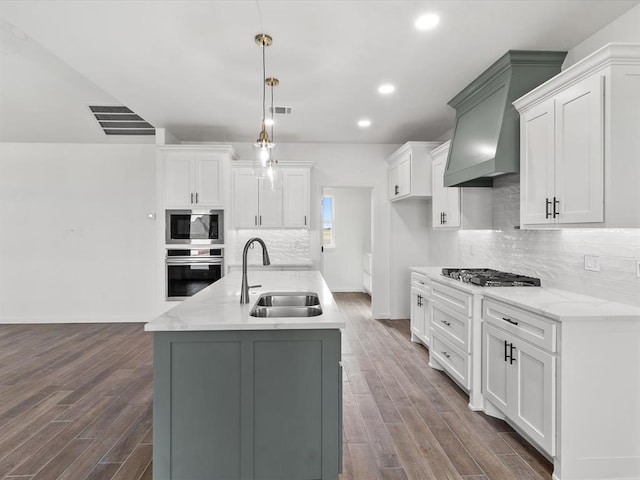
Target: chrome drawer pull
x=510, y=321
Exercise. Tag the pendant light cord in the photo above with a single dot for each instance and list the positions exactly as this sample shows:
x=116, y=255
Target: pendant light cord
x=272, y=122
x=264, y=85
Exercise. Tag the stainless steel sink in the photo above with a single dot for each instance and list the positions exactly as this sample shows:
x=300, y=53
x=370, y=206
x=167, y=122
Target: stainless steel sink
x=286, y=311
x=288, y=299
x=287, y=304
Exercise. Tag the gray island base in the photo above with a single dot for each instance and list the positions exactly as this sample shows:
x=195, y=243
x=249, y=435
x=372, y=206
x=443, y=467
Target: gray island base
x=263, y=404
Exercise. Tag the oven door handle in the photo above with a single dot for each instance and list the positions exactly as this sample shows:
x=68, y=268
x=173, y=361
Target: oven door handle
x=193, y=261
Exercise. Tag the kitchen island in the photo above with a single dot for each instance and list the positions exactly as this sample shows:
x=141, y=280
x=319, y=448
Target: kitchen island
x=243, y=397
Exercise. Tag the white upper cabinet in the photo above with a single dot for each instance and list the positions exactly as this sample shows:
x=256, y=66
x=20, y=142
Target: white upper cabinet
x=257, y=205
x=580, y=145
x=452, y=207
x=193, y=176
x=409, y=172
x=295, y=200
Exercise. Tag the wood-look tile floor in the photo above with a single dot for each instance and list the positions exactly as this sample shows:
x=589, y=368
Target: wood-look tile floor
x=75, y=404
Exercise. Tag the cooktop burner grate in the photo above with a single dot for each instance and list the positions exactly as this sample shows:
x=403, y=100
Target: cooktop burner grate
x=486, y=277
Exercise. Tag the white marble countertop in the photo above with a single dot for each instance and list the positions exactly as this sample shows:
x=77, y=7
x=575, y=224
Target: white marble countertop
x=560, y=305
x=218, y=307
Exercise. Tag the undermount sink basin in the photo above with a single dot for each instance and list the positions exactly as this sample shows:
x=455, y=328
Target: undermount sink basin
x=287, y=304
x=288, y=299
x=259, y=311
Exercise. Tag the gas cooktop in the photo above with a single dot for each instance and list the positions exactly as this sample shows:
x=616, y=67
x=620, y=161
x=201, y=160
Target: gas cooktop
x=486, y=277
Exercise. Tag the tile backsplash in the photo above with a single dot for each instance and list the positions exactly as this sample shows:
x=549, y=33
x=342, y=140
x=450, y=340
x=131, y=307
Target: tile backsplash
x=555, y=256
x=289, y=247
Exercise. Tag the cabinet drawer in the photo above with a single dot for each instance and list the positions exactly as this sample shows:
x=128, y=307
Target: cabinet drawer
x=453, y=360
x=529, y=326
x=456, y=300
x=419, y=280
x=454, y=327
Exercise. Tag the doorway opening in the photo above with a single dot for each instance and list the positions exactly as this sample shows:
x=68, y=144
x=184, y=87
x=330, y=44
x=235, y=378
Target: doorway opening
x=347, y=254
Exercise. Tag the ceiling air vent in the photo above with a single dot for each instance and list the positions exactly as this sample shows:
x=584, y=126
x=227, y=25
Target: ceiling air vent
x=281, y=110
x=119, y=120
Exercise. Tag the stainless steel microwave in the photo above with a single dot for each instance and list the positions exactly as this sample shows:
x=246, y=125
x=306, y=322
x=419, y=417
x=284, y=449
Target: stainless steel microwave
x=205, y=227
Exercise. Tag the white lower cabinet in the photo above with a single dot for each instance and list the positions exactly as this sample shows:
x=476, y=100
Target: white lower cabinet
x=420, y=309
x=561, y=368
x=456, y=362
x=519, y=380
x=455, y=337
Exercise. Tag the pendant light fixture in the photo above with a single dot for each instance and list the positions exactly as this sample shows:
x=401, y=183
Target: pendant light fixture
x=270, y=171
x=263, y=145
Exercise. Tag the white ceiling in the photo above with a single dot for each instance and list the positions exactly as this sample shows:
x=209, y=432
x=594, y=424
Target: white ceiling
x=193, y=67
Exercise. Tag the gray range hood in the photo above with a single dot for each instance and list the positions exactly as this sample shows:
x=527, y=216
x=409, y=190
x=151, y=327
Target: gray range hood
x=486, y=137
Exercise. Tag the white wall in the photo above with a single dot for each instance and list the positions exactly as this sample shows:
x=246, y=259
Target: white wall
x=410, y=232
x=624, y=29
x=347, y=165
x=75, y=241
x=342, y=265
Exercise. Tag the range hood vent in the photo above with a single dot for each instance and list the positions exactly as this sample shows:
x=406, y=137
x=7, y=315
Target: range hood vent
x=119, y=120
x=486, y=137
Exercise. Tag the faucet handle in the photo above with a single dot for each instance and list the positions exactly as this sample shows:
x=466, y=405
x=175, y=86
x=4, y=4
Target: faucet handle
x=254, y=286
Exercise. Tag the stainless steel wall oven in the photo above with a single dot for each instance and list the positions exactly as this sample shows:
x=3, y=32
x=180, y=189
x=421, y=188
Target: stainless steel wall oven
x=189, y=270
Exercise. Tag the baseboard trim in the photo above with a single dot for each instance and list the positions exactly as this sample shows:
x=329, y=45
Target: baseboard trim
x=50, y=320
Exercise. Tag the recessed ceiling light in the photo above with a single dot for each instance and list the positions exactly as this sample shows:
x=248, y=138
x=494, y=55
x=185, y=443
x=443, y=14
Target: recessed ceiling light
x=364, y=123
x=427, y=22
x=386, y=89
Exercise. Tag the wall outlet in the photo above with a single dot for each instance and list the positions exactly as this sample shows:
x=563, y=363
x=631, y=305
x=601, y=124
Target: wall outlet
x=591, y=263
x=638, y=268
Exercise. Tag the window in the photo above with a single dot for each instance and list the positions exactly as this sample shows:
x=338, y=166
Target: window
x=328, y=227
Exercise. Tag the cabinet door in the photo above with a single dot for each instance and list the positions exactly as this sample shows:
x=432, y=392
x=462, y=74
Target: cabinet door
x=445, y=200
x=269, y=205
x=533, y=399
x=439, y=199
x=207, y=181
x=404, y=175
x=579, y=155
x=417, y=313
x=295, y=202
x=452, y=210
x=178, y=180
x=394, y=182
x=537, y=164
x=245, y=198
x=496, y=371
